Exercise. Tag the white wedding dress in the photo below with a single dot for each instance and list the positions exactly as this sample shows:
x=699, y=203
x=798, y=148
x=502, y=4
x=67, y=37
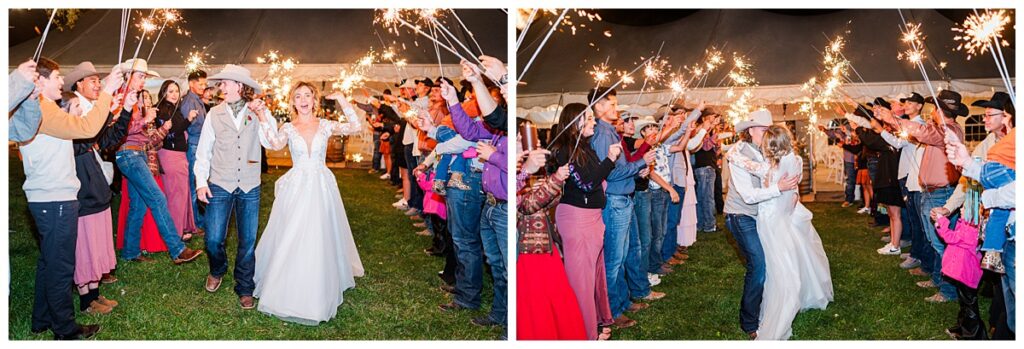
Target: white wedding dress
x=306, y=257
x=797, y=271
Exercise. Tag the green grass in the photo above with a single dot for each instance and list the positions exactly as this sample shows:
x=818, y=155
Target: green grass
x=874, y=298
x=397, y=299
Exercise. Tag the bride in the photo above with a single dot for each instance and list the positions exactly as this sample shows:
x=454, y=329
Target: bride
x=797, y=272
x=306, y=257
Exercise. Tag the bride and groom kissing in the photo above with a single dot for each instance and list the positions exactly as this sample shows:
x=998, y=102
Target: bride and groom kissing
x=786, y=267
x=306, y=256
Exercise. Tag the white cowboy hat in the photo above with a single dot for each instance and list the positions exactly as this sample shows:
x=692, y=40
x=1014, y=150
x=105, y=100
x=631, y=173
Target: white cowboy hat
x=762, y=118
x=81, y=71
x=238, y=74
x=643, y=122
x=139, y=65
x=407, y=83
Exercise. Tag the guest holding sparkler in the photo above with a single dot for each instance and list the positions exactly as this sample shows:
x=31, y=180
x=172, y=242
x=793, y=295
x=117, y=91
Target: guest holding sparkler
x=578, y=215
x=174, y=160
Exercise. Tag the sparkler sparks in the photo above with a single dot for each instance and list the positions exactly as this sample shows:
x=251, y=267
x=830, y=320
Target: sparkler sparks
x=600, y=73
x=914, y=40
x=354, y=77
x=195, y=61
x=981, y=30
x=278, y=80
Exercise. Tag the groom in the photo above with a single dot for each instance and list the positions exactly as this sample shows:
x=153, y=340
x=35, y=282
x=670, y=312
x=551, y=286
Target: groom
x=745, y=191
x=227, y=172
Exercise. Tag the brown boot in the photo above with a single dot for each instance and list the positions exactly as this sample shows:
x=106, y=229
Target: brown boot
x=212, y=283
x=187, y=255
x=108, y=279
x=623, y=322
x=98, y=308
x=674, y=261
x=107, y=302
x=635, y=307
x=247, y=302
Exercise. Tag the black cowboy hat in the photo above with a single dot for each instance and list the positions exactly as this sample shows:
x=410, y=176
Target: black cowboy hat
x=999, y=101
x=949, y=102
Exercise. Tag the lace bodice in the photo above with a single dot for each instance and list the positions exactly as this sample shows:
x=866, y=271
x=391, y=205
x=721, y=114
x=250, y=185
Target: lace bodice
x=784, y=204
x=315, y=152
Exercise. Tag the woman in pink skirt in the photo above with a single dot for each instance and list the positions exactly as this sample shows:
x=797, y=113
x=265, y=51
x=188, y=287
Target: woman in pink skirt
x=578, y=216
x=173, y=161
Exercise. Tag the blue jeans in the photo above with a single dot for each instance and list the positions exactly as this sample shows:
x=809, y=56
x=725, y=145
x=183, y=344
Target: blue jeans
x=928, y=201
x=191, y=156
x=464, y=211
x=635, y=264
x=920, y=249
x=617, y=216
x=142, y=193
x=705, y=198
x=53, y=307
x=1010, y=281
x=415, y=193
x=494, y=233
x=675, y=213
x=644, y=226
x=246, y=207
x=376, y=152
x=660, y=200
x=851, y=180
x=744, y=230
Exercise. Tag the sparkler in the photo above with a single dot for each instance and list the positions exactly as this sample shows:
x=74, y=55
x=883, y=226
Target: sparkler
x=195, y=61
x=600, y=73
x=981, y=31
x=42, y=40
x=170, y=16
x=278, y=79
x=653, y=71
x=355, y=76
x=912, y=37
x=126, y=15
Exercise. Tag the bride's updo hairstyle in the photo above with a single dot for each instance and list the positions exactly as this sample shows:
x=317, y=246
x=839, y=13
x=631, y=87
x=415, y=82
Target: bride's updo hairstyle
x=294, y=111
x=777, y=143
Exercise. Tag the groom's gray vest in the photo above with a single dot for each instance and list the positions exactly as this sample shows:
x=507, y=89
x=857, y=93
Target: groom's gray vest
x=236, y=152
x=733, y=201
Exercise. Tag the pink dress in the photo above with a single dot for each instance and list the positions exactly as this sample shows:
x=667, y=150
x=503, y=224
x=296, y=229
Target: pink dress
x=175, y=179
x=94, y=249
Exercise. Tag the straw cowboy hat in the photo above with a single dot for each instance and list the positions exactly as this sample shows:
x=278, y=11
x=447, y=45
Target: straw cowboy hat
x=139, y=65
x=760, y=118
x=643, y=122
x=238, y=74
x=81, y=71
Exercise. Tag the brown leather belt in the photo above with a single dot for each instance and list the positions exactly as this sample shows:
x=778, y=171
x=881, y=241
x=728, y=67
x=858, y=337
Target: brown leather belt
x=141, y=148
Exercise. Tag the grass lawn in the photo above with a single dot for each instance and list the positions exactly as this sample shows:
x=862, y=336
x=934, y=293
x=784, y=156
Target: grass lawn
x=397, y=299
x=874, y=298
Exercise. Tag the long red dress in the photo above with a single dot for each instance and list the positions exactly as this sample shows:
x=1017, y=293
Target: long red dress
x=546, y=305
x=150, y=241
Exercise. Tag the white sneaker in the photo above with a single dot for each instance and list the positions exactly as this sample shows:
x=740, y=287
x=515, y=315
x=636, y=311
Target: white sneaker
x=863, y=210
x=385, y=176
x=889, y=250
x=401, y=205
x=654, y=279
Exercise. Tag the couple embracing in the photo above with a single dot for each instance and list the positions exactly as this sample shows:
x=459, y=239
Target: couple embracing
x=787, y=270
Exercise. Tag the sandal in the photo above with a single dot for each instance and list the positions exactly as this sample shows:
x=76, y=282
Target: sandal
x=186, y=237
x=606, y=334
